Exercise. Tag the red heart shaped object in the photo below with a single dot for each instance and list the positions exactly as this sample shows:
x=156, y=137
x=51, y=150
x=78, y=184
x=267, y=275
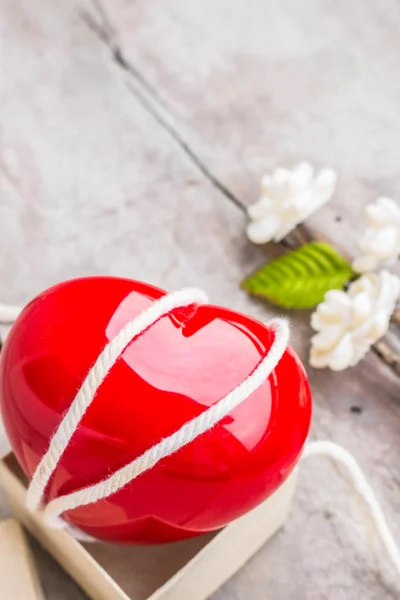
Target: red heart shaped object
x=185, y=362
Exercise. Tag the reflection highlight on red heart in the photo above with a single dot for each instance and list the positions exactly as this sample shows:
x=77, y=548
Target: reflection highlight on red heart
x=168, y=375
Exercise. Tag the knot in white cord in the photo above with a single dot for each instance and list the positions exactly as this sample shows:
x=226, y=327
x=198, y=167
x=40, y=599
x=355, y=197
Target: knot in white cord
x=186, y=434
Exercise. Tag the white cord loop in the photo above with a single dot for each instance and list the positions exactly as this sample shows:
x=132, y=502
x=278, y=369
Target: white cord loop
x=361, y=485
x=186, y=434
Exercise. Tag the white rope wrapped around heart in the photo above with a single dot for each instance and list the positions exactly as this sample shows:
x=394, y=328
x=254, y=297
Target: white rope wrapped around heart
x=187, y=433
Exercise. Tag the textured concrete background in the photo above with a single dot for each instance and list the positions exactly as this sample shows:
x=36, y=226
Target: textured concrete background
x=132, y=136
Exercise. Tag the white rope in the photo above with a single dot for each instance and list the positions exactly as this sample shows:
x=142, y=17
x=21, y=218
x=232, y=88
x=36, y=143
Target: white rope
x=186, y=434
x=361, y=485
x=190, y=430
x=94, y=379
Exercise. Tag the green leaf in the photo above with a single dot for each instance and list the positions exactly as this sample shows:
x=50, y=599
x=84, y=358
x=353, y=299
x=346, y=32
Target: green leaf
x=300, y=279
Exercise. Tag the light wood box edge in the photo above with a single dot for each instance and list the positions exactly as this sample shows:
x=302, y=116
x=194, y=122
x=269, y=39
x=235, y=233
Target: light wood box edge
x=19, y=578
x=214, y=564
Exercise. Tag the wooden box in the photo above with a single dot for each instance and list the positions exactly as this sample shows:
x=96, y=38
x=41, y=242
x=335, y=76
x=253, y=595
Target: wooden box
x=192, y=569
x=18, y=576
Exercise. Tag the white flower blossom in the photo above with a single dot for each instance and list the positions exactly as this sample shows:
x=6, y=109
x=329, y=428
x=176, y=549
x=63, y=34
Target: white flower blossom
x=287, y=199
x=380, y=242
x=348, y=323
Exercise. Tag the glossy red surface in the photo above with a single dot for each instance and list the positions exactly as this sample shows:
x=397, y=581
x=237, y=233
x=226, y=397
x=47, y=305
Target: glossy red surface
x=182, y=364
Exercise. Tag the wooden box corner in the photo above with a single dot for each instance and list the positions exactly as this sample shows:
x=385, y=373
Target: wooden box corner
x=190, y=569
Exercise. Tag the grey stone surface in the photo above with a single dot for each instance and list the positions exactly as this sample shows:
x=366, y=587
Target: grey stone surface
x=144, y=170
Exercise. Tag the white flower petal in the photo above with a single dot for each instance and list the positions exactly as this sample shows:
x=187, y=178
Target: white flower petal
x=286, y=226
x=342, y=355
x=380, y=325
x=328, y=313
x=378, y=215
x=360, y=349
x=389, y=207
x=327, y=338
x=279, y=187
x=317, y=321
x=322, y=189
x=304, y=203
x=380, y=242
x=260, y=209
x=388, y=286
x=266, y=185
x=366, y=284
x=361, y=309
x=325, y=181
x=318, y=359
x=365, y=263
x=384, y=244
x=291, y=197
x=280, y=177
x=301, y=176
x=263, y=231
x=318, y=194
x=362, y=316
x=339, y=298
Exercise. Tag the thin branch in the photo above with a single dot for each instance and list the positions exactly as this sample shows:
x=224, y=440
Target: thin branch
x=163, y=113
x=143, y=91
x=384, y=352
x=300, y=235
x=396, y=316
